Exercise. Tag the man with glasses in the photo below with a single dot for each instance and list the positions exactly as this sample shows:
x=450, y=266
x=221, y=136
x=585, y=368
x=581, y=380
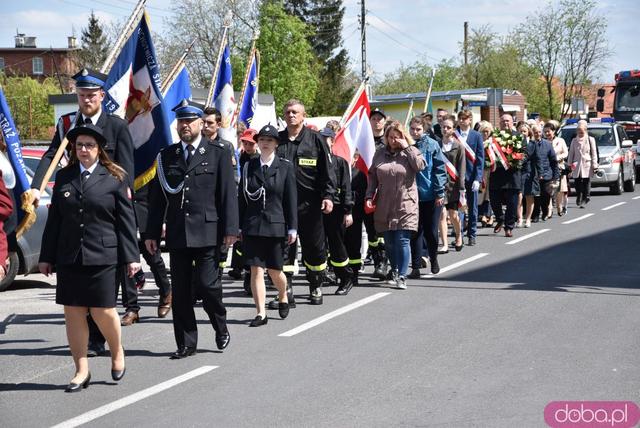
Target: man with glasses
x=119, y=147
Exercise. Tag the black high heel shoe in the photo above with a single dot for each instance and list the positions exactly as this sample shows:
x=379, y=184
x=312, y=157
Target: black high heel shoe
x=118, y=374
x=77, y=387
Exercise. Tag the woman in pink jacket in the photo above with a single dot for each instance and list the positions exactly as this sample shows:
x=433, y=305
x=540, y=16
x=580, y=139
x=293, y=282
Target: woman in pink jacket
x=393, y=193
x=583, y=159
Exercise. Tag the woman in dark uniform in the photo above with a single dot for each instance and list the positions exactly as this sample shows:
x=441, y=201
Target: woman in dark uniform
x=268, y=218
x=90, y=230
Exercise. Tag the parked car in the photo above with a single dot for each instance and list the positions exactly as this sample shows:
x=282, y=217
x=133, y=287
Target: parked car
x=32, y=158
x=25, y=259
x=616, y=156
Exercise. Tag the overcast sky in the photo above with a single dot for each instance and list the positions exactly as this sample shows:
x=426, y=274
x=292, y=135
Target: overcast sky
x=397, y=31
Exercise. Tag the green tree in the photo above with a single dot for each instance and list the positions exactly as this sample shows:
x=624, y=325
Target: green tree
x=415, y=78
x=289, y=67
x=324, y=19
x=94, y=44
x=29, y=104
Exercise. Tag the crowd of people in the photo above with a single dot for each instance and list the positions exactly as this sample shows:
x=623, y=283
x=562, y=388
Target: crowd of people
x=281, y=189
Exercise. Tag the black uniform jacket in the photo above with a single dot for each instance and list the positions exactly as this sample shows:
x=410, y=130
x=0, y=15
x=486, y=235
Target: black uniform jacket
x=359, y=183
x=278, y=213
x=309, y=155
x=344, y=195
x=119, y=146
x=208, y=197
x=96, y=219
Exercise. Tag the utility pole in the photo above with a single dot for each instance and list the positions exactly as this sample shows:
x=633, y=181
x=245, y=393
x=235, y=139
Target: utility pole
x=363, y=38
x=466, y=42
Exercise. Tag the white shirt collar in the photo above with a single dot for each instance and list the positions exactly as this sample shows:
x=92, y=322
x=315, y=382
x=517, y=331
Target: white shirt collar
x=94, y=118
x=90, y=169
x=269, y=162
x=195, y=145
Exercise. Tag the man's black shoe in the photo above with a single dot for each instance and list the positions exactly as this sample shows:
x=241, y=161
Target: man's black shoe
x=415, y=274
x=183, y=352
x=96, y=350
x=235, y=273
x=345, y=286
x=222, y=340
x=246, y=284
x=435, y=267
x=472, y=241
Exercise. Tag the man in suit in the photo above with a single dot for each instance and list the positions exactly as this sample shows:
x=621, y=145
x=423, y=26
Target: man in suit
x=194, y=184
x=119, y=147
x=474, y=152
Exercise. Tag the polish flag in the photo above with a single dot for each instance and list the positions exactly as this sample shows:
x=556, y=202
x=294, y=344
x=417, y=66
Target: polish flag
x=356, y=132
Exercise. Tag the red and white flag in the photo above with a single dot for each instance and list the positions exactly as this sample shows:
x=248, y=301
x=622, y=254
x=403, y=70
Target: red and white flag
x=356, y=132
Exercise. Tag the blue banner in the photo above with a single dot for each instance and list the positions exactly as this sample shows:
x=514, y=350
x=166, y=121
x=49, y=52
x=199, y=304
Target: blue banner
x=250, y=100
x=133, y=93
x=177, y=91
x=14, y=153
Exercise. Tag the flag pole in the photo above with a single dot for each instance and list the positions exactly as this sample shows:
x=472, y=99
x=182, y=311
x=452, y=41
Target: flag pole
x=428, y=97
x=408, y=117
x=252, y=52
x=361, y=88
x=125, y=34
x=172, y=74
x=214, y=78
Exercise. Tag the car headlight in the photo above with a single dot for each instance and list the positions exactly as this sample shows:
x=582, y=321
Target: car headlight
x=606, y=161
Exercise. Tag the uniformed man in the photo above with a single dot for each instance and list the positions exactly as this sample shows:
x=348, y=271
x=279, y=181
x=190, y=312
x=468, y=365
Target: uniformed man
x=194, y=185
x=309, y=154
x=377, y=118
x=119, y=147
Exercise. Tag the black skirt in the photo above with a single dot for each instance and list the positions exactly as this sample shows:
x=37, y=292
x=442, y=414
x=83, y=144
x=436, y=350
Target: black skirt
x=263, y=251
x=90, y=286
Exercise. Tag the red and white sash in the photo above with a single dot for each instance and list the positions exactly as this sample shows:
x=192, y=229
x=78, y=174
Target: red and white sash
x=451, y=169
x=471, y=155
x=492, y=157
x=497, y=149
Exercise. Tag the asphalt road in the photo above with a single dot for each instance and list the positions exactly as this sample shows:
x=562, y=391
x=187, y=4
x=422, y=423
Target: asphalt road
x=500, y=333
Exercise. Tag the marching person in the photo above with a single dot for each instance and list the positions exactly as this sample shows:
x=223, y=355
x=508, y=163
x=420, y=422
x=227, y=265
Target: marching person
x=6, y=208
x=194, y=184
x=90, y=230
x=119, y=147
x=562, y=152
x=474, y=153
x=267, y=203
x=392, y=180
x=336, y=222
x=249, y=150
x=583, y=160
x=548, y=174
x=309, y=154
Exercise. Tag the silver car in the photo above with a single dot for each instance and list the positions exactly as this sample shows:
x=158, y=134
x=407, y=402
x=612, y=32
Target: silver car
x=25, y=260
x=616, y=156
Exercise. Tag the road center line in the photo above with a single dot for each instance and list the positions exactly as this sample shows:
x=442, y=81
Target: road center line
x=458, y=264
x=613, y=206
x=575, y=220
x=330, y=315
x=637, y=197
x=525, y=237
x=130, y=399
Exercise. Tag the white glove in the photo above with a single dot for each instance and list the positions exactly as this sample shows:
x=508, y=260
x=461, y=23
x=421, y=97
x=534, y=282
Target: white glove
x=475, y=186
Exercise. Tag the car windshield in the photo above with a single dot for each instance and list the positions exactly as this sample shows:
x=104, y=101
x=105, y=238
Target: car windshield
x=603, y=136
x=628, y=98
x=32, y=164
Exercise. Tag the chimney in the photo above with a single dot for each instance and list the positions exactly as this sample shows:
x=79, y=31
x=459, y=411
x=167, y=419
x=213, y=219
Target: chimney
x=29, y=42
x=19, y=40
x=72, y=42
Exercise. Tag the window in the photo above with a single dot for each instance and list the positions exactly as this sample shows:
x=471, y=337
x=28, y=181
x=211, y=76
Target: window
x=1, y=63
x=38, y=67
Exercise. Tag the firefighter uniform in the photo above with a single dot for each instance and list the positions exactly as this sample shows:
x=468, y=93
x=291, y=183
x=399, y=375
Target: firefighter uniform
x=315, y=182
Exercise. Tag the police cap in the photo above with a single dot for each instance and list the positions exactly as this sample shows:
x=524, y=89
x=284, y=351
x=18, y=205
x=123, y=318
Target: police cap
x=90, y=79
x=268, y=131
x=188, y=110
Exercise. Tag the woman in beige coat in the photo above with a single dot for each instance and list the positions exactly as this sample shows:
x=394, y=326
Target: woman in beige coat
x=393, y=193
x=583, y=159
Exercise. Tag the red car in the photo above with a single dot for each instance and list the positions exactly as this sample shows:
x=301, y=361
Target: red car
x=32, y=156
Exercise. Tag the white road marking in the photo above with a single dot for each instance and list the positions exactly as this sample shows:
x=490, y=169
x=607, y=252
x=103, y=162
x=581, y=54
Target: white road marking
x=458, y=264
x=637, y=197
x=525, y=237
x=130, y=399
x=613, y=206
x=330, y=315
x=575, y=220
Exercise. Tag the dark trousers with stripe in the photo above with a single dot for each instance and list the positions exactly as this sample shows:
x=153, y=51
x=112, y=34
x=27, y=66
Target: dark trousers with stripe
x=335, y=231
x=311, y=235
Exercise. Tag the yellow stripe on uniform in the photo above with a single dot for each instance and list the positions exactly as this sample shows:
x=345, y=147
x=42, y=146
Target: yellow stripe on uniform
x=339, y=264
x=355, y=261
x=318, y=268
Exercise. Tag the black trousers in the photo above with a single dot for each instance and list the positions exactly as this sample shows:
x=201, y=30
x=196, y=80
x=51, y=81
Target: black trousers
x=237, y=256
x=353, y=240
x=157, y=266
x=195, y=270
x=541, y=203
x=312, y=239
x=427, y=235
x=335, y=232
x=129, y=301
x=510, y=198
x=583, y=190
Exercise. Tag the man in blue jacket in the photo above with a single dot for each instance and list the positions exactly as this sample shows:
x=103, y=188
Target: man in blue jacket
x=474, y=152
x=430, y=182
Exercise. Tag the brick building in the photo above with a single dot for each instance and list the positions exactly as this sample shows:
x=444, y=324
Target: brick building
x=26, y=59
